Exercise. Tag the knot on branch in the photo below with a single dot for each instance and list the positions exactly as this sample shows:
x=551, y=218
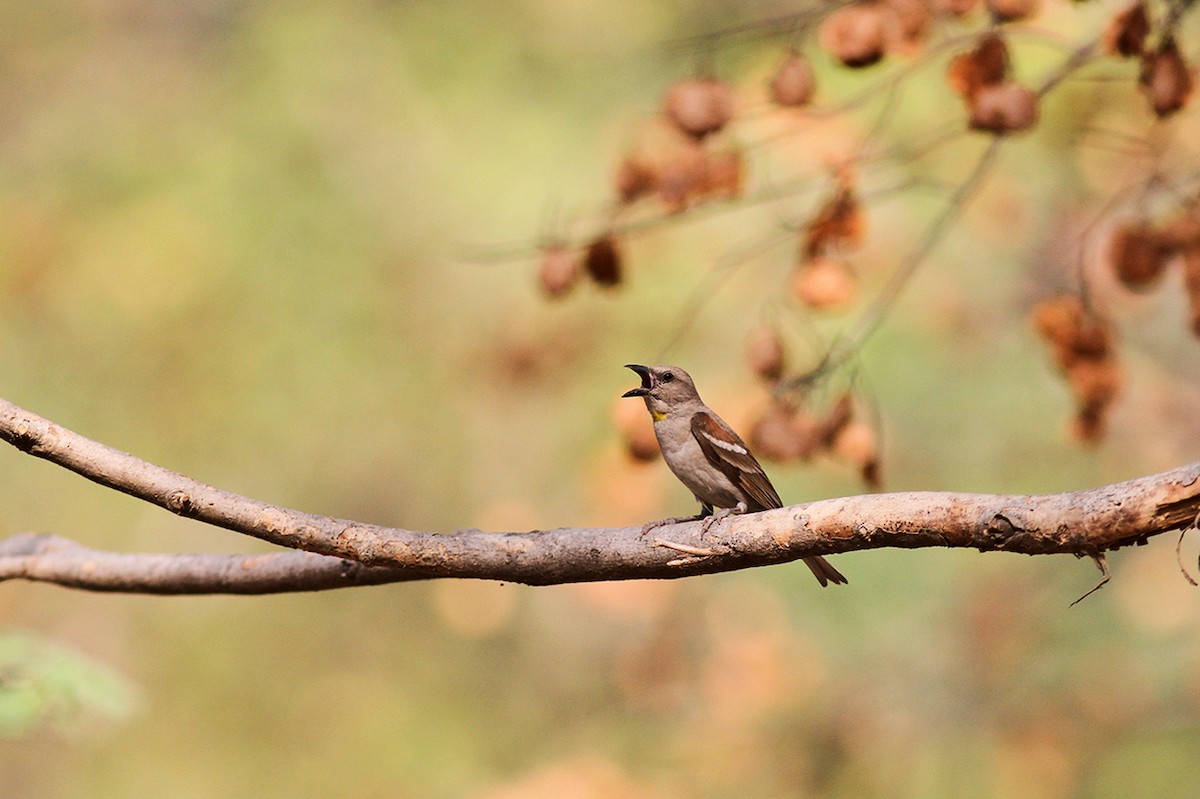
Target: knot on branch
x=999, y=531
x=179, y=501
x=22, y=437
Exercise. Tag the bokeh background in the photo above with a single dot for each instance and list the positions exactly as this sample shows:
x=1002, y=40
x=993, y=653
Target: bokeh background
x=244, y=240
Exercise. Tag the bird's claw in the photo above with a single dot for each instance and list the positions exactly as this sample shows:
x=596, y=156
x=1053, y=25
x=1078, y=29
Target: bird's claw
x=646, y=528
x=724, y=513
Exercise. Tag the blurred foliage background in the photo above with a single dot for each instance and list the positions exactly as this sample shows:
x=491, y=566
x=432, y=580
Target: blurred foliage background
x=232, y=241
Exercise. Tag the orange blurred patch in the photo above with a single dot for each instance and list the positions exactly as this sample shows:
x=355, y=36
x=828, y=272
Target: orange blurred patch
x=619, y=492
x=588, y=776
x=474, y=608
x=643, y=599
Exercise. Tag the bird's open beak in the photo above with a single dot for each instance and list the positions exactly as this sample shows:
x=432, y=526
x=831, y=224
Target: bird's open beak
x=647, y=381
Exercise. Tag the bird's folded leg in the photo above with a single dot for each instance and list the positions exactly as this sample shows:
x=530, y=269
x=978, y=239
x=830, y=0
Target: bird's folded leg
x=721, y=514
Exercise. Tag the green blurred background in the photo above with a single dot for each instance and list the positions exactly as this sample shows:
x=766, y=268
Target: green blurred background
x=234, y=240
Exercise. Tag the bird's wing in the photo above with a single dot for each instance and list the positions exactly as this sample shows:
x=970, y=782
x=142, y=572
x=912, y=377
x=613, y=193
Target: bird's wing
x=725, y=450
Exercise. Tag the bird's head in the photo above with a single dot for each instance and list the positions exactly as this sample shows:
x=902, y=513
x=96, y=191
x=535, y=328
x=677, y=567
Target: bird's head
x=664, y=388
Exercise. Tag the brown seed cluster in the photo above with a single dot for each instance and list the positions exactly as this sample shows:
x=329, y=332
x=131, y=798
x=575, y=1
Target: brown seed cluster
x=786, y=432
x=561, y=267
x=1165, y=78
x=861, y=34
x=822, y=279
x=1084, y=351
x=681, y=176
x=995, y=103
x=1140, y=252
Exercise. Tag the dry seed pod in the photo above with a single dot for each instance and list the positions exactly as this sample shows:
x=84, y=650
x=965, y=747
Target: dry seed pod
x=634, y=179
x=1137, y=255
x=857, y=445
x=559, y=270
x=602, y=261
x=794, y=82
x=855, y=34
x=1012, y=10
x=1082, y=347
x=636, y=430
x=783, y=434
x=764, y=352
x=840, y=414
x=1165, y=78
x=825, y=284
x=1003, y=108
x=985, y=64
x=839, y=223
x=1073, y=332
x=1126, y=33
x=699, y=106
x=1095, y=385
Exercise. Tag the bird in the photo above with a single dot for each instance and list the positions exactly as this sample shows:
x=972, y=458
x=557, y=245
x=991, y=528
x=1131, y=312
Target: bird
x=707, y=456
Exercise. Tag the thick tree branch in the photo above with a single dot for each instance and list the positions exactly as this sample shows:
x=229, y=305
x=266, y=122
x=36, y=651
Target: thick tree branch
x=54, y=559
x=1082, y=523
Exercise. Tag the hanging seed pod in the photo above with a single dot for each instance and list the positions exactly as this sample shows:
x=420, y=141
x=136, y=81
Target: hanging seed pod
x=1003, y=108
x=824, y=283
x=1126, y=33
x=986, y=64
x=1073, y=333
x=1012, y=10
x=1137, y=255
x=636, y=430
x=794, y=82
x=840, y=414
x=699, y=106
x=634, y=180
x=855, y=35
x=1095, y=384
x=558, y=271
x=1165, y=78
x=783, y=434
x=1082, y=347
x=764, y=352
x=857, y=445
x=839, y=223
x=602, y=260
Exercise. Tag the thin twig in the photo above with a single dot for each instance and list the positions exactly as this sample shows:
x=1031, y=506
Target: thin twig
x=1106, y=575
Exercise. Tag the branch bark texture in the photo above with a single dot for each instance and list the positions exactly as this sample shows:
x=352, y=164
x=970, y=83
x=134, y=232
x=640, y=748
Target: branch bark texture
x=1086, y=522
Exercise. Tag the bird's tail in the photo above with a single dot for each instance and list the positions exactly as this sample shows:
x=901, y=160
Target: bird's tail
x=824, y=571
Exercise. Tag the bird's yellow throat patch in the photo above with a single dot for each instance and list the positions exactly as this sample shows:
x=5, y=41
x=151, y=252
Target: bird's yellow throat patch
x=657, y=416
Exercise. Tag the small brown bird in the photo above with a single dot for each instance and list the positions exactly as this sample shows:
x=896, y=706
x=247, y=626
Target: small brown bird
x=707, y=456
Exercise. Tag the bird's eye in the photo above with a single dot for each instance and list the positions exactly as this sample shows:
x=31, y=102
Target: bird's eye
x=667, y=377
